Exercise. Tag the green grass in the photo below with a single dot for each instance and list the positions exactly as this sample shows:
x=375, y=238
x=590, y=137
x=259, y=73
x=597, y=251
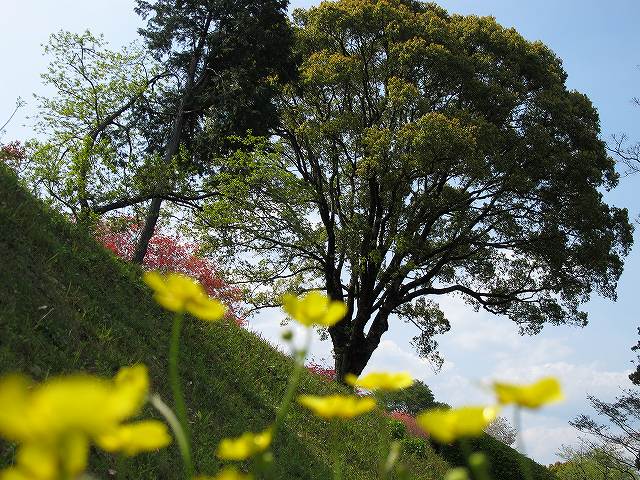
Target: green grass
x=66, y=304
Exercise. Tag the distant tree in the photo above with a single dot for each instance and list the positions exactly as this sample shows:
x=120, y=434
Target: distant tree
x=502, y=430
x=588, y=463
x=410, y=424
x=617, y=433
x=423, y=154
x=635, y=376
x=411, y=400
x=13, y=154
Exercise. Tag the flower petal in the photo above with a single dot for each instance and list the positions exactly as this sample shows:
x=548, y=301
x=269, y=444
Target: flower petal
x=133, y=438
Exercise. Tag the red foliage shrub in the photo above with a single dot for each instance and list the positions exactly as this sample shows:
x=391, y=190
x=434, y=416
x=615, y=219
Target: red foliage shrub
x=410, y=423
x=169, y=253
x=327, y=373
x=12, y=153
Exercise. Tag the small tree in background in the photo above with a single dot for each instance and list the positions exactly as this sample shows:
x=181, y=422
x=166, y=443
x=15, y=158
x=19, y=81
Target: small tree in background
x=502, y=430
x=591, y=463
x=170, y=253
x=12, y=154
x=618, y=434
x=410, y=401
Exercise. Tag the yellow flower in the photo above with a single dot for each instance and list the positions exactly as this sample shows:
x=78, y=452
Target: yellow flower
x=133, y=438
x=337, y=406
x=180, y=293
x=244, y=446
x=229, y=473
x=13, y=473
x=54, y=422
x=131, y=390
x=381, y=381
x=314, y=308
x=534, y=395
x=447, y=425
x=14, y=393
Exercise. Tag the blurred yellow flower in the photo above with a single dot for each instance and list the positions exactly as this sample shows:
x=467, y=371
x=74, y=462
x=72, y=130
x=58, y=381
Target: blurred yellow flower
x=314, y=308
x=133, y=438
x=244, y=446
x=131, y=390
x=180, y=293
x=380, y=381
x=544, y=391
x=459, y=473
x=13, y=473
x=447, y=425
x=228, y=473
x=54, y=422
x=337, y=406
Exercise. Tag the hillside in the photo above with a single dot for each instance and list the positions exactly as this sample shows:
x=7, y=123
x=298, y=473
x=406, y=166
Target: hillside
x=66, y=304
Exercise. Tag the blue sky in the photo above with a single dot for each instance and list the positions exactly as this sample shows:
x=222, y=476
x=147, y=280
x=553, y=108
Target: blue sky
x=598, y=44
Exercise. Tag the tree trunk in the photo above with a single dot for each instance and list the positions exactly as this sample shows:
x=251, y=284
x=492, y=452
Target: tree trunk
x=150, y=222
x=351, y=360
x=353, y=351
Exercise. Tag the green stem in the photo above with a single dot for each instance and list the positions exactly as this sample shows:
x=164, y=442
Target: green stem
x=466, y=449
x=525, y=466
x=176, y=427
x=176, y=389
x=120, y=467
x=294, y=381
x=384, y=447
x=335, y=448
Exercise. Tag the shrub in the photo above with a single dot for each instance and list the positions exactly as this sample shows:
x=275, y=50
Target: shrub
x=170, y=253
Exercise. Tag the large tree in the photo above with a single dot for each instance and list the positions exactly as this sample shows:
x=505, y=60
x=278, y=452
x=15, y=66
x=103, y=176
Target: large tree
x=422, y=154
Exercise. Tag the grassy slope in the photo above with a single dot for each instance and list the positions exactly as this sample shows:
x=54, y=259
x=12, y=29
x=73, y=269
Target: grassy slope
x=66, y=305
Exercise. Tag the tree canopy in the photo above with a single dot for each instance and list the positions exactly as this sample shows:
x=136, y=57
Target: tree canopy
x=422, y=154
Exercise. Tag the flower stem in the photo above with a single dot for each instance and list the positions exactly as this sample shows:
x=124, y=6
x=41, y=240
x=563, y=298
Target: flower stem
x=335, y=448
x=176, y=389
x=525, y=466
x=176, y=427
x=294, y=381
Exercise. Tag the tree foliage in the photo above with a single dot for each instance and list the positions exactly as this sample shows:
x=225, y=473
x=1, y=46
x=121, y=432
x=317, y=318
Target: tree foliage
x=423, y=154
x=616, y=433
x=412, y=400
x=635, y=375
x=94, y=155
x=221, y=57
x=502, y=430
x=591, y=463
